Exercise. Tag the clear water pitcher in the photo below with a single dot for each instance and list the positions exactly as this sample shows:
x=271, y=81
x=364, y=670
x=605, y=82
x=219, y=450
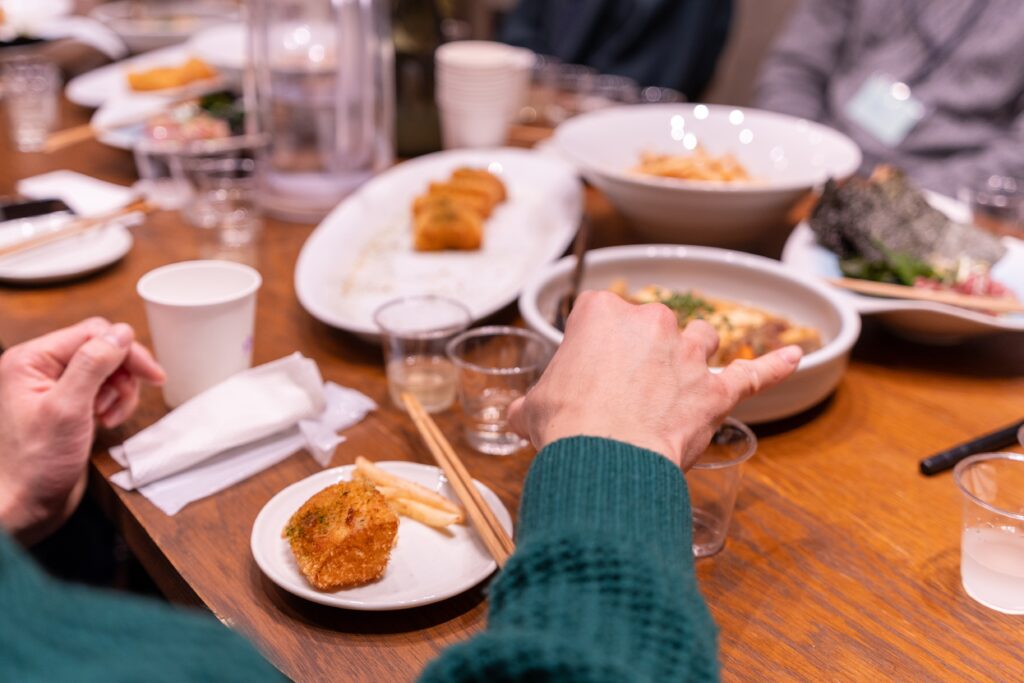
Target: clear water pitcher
x=322, y=85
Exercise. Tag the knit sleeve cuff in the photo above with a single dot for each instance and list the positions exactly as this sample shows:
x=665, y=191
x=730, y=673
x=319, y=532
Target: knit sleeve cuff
x=590, y=483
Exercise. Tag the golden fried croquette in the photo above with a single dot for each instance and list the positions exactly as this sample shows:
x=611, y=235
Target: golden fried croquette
x=446, y=224
x=163, y=77
x=474, y=199
x=342, y=536
x=483, y=179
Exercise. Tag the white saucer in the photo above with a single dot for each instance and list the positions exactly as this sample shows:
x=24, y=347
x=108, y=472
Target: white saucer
x=69, y=258
x=426, y=565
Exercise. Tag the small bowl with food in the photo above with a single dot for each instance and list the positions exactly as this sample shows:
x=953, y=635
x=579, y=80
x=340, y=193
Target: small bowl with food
x=145, y=26
x=704, y=174
x=755, y=304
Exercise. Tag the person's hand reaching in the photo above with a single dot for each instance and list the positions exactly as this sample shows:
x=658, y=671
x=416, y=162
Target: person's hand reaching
x=626, y=372
x=53, y=391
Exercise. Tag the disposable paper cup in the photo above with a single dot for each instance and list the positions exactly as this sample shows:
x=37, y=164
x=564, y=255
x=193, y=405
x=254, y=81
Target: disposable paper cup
x=201, y=316
x=464, y=129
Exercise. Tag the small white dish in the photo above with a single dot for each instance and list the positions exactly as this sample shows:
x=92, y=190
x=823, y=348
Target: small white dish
x=64, y=260
x=732, y=275
x=361, y=255
x=922, y=321
x=426, y=565
x=786, y=157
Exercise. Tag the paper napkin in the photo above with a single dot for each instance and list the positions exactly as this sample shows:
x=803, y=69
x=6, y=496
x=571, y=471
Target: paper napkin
x=87, y=196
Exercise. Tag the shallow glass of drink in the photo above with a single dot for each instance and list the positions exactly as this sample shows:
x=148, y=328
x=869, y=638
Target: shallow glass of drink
x=414, y=333
x=992, y=536
x=495, y=366
x=713, y=483
x=996, y=202
x=31, y=89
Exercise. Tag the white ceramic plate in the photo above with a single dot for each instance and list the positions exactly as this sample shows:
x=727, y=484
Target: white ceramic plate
x=361, y=255
x=224, y=47
x=161, y=24
x=732, y=275
x=109, y=82
x=919, y=320
x=64, y=260
x=426, y=565
x=786, y=156
x=29, y=18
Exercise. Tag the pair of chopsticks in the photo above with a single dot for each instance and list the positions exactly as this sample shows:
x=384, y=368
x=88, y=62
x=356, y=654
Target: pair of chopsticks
x=943, y=460
x=74, y=228
x=989, y=304
x=493, y=534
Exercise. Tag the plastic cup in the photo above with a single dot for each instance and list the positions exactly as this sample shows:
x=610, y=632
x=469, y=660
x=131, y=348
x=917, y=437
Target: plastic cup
x=713, y=483
x=992, y=533
x=496, y=365
x=201, y=317
x=414, y=333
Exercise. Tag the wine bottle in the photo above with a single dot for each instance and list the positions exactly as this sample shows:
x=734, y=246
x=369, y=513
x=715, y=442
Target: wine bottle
x=416, y=27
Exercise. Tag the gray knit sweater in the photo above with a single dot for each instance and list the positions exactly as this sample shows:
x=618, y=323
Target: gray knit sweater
x=975, y=98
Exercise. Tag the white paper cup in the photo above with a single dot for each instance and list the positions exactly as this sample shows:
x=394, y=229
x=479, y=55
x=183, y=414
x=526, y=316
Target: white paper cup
x=201, y=317
x=461, y=129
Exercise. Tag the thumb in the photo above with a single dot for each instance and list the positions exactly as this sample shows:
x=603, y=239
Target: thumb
x=517, y=418
x=93, y=362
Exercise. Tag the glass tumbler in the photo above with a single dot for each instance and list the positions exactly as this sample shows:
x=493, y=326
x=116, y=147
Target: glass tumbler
x=31, y=87
x=992, y=536
x=414, y=333
x=225, y=199
x=713, y=483
x=997, y=203
x=496, y=365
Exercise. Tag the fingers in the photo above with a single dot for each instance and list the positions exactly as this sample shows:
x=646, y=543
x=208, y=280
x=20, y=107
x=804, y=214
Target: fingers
x=61, y=344
x=702, y=335
x=93, y=363
x=141, y=364
x=744, y=378
x=125, y=405
x=517, y=417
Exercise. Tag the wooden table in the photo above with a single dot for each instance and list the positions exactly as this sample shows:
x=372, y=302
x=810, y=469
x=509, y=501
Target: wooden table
x=842, y=563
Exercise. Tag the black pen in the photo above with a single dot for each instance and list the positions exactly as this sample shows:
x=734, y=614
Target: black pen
x=943, y=460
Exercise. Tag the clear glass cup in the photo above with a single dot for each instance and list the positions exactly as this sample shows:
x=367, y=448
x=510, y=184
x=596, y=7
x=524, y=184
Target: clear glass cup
x=31, y=90
x=992, y=535
x=996, y=203
x=225, y=199
x=609, y=91
x=655, y=95
x=713, y=483
x=415, y=331
x=495, y=366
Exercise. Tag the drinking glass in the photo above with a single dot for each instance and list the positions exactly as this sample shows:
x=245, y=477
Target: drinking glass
x=992, y=535
x=414, y=333
x=655, y=95
x=609, y=91
x=495, y=365
x=31, y=88
x=713, y=482
x=996, y=202
x=225, y=200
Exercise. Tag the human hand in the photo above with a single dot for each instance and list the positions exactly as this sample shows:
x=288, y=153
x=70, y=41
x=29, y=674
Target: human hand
x=626, y=372
x=53, y=390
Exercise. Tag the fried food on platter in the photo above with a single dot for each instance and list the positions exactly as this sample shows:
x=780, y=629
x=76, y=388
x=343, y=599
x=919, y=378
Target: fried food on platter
x=393, y=487
x=164, y=77
x=443, y=223
x=342, y=536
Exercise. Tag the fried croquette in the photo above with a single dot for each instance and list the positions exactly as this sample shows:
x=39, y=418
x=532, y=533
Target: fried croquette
x=163, y=77
x=485, y=180
x=342, y=536
x=447, y=224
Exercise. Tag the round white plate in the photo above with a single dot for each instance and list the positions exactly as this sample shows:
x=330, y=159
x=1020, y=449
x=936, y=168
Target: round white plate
x=64, y=260
x=920, y=320
x=224, y=47
x=361, y=255
x=95, y=87
x=426, y=565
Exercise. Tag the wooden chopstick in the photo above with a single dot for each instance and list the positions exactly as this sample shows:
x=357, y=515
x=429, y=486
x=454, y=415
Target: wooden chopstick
x=74, y=228
x=480, y=514
x=885, y=289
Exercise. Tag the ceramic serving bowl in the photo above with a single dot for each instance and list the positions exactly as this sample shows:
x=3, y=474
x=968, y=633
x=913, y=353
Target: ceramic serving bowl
x=785, y=156
x=745, y=278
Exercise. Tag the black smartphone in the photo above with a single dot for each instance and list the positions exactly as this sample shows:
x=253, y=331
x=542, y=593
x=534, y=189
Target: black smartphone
x=17, y=210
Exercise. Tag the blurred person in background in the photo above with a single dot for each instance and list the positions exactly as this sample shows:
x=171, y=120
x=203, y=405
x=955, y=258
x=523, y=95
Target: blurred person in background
x=932, y=86
x=665, y=43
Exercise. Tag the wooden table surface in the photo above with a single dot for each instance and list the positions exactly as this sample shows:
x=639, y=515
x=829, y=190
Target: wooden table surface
x=842, y=562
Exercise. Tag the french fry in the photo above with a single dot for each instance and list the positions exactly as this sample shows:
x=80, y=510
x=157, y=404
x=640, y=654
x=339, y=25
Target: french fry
x=409, y=490
x=421, y=512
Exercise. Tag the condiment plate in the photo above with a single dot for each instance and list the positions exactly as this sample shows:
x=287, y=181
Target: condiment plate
x=361, y=255
x=923, y=321
x=69, y=258
x=426, y=566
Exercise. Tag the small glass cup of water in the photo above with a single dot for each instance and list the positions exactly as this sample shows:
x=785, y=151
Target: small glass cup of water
x=997, y=203
x=31, y=89
x=992, y=537
x=713, y=483
x=496, y=365
x=414, y=333
x=225, y=199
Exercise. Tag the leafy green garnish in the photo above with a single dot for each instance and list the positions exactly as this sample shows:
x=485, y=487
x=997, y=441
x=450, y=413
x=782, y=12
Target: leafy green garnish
x=895, y=267
x=686, y=306
x=227, y=106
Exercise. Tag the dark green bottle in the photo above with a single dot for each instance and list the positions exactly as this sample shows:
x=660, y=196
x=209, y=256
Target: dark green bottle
x=416, y=26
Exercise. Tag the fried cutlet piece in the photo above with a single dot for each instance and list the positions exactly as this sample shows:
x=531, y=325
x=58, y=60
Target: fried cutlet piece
x=473, y=197
x=483, y=179
x=163, y=77
x=444, y=223
x=342, y=536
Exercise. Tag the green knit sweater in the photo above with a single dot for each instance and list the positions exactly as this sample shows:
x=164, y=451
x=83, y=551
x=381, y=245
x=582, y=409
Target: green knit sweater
x=601, y=589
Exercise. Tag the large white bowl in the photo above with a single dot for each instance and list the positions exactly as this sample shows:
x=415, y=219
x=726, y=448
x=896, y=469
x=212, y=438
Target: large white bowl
x=786, y=156
x=745, y=278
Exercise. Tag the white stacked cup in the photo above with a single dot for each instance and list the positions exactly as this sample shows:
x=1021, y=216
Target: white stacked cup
x=481, y=86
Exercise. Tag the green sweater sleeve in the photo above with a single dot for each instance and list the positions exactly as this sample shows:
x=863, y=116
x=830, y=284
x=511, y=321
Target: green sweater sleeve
x=601, y=587
x=51, y=631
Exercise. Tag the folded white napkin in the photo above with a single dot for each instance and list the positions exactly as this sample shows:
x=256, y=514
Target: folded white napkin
x=87, y=196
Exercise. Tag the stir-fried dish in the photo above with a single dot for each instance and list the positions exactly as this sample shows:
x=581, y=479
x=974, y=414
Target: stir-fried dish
x=699, y=165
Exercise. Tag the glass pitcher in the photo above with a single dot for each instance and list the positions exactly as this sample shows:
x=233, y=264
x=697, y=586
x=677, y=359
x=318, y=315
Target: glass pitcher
x=321, y=83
